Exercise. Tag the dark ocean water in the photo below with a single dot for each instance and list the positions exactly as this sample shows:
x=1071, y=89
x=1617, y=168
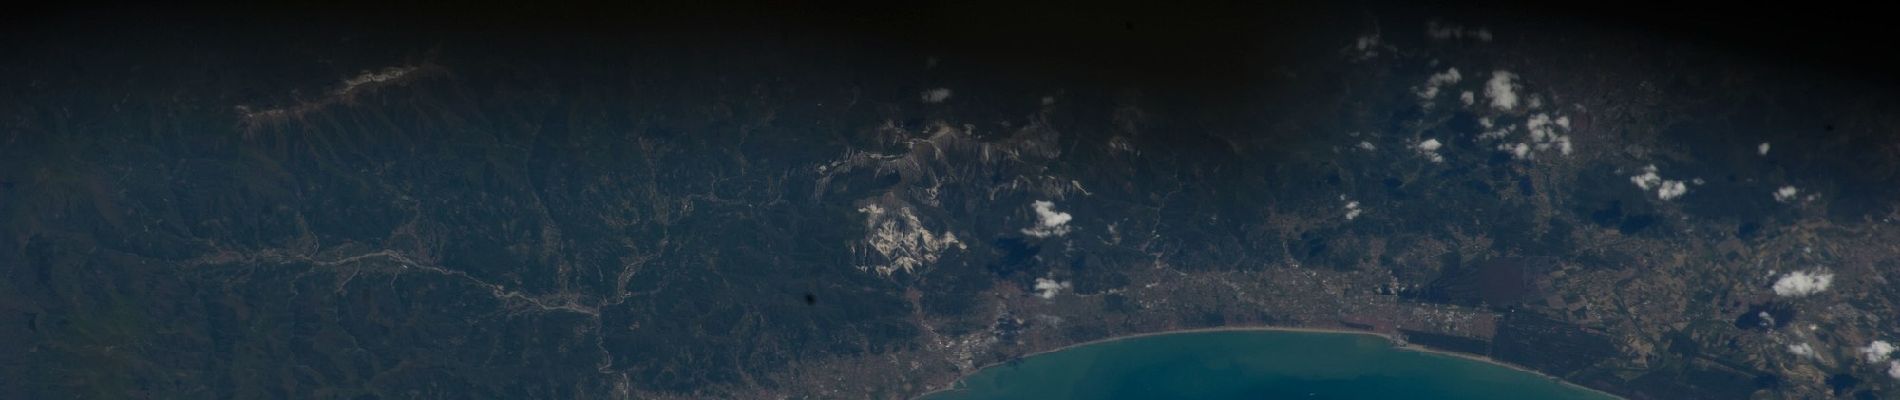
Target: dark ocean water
x=1256, y=365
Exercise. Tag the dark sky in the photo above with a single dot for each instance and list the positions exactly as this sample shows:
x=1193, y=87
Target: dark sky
x=1202, y=40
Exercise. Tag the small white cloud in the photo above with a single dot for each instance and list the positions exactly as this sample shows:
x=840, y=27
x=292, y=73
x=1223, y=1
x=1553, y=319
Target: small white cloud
x=1367, y=46
x=1048, y=100
x=937, y=95
x=1893, y=369
x=1545, y=133
x=1803, y=283
x=1438, y=30
x=1877, y=352
x=1367, y=42
x=1049, y=222
x=1352, y=210
x=1665, y=189
x=1762, y=148
x=1468, y=98
x=1520, y=151
x=1786, y=194
x=1801, y=349
x=1436, y=81
x=1502, y=90
x=1367, y=146
x=1429, y=149
x=1648, y=179
x=1670, y=190
x=1048, y=288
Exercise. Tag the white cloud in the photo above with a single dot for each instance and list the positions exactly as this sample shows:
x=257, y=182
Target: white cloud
x=1670, y=190
x=1429, y=149
x=1648, y=179
x=1367, y=42
x=1352, y=210
x=1367, y=46
x=1801, y=349
x=1665, y=189
x=1467, y=98
x=1543, y=133
x=937, y=95
x=1048, y=288
x=1893, y=369
x=1049, y=222
x=1502, y=90
x=1367, y=146
x=1876, y=352
x=1441, y=31
x=1048, y=100
x=1540, y=127
x=1762, y=148
x=1436, y=81
x=1520, y=151
x=1786, y=193
x=1803, y=283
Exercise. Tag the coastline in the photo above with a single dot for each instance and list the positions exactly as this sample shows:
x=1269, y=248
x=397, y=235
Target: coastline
x=1389, y=339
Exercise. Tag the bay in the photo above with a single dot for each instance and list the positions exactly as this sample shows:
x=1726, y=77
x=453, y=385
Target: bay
x=1256, y=364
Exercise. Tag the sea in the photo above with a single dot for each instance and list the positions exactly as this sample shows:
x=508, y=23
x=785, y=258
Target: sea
x=1256, y=364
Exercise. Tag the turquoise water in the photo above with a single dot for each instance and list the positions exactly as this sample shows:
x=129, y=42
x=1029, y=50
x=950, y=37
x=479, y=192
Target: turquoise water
x=1255, y=365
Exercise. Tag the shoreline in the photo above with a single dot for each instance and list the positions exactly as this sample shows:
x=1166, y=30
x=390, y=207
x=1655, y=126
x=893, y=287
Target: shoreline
x=1390, y=339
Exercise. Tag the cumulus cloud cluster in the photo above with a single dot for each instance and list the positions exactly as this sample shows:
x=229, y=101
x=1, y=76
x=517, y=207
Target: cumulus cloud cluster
x=1880, y=351
x=1049, y=222
x=1877, y=351
x=937, y=95
x=1366, y=46
x=1501, y=89
x=1543, y=133
x=1429, y=149
x=1786, y=194
x=1353, y=210
x=1665, y=189
x=1803, y=283
x=1048, y=288
x=1437, y=81
x=1444, y=31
